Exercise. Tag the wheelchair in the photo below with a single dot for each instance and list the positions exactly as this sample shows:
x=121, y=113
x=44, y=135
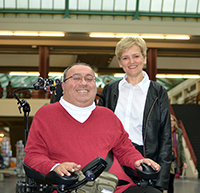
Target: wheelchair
x=39, y=183
x=36, y=182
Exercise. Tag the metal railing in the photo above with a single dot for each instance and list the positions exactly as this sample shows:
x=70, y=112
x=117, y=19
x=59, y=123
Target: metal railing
x=193, y=99
x=187, y=10
x=187, y=140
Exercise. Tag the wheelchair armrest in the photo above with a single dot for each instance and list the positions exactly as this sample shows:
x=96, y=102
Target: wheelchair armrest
x=91, y=172
x=56, y=178
x=31, y=173
x=129, y=171
x=52, y=177
x=148, y=172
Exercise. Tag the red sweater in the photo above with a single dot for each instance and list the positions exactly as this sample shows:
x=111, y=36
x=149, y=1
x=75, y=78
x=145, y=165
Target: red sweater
x=56, y=137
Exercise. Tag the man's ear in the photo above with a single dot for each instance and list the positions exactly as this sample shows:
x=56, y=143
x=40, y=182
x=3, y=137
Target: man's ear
x=63, y=87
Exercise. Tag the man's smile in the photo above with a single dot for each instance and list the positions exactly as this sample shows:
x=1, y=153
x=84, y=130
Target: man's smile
x=82, y=90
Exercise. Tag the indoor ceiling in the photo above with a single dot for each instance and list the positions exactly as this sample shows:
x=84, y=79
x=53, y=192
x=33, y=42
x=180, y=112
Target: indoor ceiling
x=22, y=54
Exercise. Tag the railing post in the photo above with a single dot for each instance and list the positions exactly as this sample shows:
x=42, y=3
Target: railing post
x=67, y=15
x=136, y=15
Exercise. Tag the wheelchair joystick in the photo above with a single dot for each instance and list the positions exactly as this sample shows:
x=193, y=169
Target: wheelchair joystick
x=89, y=175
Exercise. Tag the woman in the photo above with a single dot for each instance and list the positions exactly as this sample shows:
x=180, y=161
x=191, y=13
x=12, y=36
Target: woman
x=179, y=154
x=142, y=106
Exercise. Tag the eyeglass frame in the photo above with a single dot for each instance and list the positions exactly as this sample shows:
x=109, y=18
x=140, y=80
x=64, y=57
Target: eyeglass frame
x=93, y=78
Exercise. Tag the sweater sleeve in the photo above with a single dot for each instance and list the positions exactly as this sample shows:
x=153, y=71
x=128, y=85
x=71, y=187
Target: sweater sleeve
x=124, y=150
x=37, y=154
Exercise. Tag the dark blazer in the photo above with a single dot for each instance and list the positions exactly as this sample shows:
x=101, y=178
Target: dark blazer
x=156, y=129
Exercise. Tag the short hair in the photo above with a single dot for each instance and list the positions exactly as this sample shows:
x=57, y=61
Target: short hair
x=125, y=43
x=80, y=63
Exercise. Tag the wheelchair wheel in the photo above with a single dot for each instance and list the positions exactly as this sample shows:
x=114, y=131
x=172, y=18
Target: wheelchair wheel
x=23, y=187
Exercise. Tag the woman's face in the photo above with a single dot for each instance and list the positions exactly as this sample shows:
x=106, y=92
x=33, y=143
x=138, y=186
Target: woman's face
x=132, y=61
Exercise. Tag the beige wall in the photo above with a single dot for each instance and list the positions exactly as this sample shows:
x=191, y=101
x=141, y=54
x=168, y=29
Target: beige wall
x=9, y=107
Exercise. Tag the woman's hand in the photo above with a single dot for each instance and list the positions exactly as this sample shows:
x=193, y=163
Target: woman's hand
x=147, y=161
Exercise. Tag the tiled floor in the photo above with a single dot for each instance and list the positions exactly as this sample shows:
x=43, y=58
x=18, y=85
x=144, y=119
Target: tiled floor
x=180, y=185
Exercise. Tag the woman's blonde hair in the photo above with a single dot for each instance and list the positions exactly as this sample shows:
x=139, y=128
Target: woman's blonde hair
x=125, y=43
x=174, y=119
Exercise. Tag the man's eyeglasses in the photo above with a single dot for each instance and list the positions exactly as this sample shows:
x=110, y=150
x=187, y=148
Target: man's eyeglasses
x=78, y=78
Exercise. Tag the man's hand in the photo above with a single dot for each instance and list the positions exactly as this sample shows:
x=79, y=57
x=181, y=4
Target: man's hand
x=66, y=167
x=147, y=161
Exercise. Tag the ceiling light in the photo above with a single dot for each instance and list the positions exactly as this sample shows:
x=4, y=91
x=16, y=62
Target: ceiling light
x=24, y=73
x=55, y=34
x=122, y=35
x=32, y=33
x=34, y=73
x=102, y=35
x=177, y=37
x=145, y=36
x=18, y=73
x=55, y=74
x=22, y=33
x=187, y=76
x=152, y=36
x=119, y=75
x=190, y=76
x=1, y=135
x=6, y=33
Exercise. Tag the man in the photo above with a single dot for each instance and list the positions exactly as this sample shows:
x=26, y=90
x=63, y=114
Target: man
x=66, y=135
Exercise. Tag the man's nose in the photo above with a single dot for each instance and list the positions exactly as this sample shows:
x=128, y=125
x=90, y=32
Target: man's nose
x=83, y=81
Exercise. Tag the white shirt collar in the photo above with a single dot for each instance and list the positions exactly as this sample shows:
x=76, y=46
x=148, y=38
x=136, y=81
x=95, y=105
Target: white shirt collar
x=143, y=85
x=81, y=114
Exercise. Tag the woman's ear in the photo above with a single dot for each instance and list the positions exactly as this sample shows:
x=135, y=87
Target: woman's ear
x=145, y=60
x=119, y=63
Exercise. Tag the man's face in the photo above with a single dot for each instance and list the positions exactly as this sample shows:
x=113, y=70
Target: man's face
x=80, y=90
